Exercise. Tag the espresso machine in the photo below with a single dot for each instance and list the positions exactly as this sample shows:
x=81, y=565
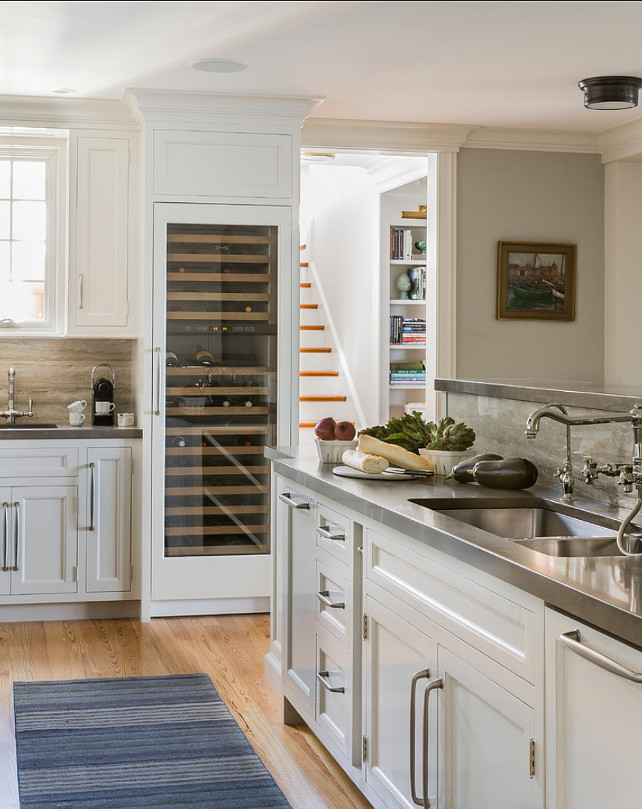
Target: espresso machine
x=102, y=406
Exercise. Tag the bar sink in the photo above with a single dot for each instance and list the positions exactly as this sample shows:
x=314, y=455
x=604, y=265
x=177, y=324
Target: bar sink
x=540, y=527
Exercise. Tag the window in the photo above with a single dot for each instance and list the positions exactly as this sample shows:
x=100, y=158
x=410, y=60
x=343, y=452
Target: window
x=31, y=237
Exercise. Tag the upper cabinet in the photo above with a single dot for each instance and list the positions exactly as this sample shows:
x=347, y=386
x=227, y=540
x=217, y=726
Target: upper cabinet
x=101, y=289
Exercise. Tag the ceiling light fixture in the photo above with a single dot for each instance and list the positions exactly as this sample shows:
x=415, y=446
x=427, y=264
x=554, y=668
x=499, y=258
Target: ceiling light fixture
x=317, y=157
x=218, y=65
x=64, y=91
x=610, y=92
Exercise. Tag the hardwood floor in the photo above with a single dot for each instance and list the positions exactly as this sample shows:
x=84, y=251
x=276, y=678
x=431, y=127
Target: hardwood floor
x=229, y=648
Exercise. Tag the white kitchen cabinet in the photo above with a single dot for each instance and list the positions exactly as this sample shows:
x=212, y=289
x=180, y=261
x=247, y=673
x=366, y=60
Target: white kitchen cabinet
x=40, y=537
x=101, y=288
x=108, y=519
x=296, y=525
x=593, y=717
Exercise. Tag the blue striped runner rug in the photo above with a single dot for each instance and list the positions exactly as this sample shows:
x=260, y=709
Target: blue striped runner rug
x=123, y=743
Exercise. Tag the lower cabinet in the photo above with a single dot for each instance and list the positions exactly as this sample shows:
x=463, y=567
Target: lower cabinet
x=593, y=718
x=40, y=539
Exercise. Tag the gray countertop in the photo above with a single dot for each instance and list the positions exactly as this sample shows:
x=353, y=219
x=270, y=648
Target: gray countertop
x=574, y=394
x=603, y=591
x=23, y=433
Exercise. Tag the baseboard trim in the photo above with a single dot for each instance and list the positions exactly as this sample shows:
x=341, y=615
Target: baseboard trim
x=208, y=606
x=67, y=611
x=272, y=670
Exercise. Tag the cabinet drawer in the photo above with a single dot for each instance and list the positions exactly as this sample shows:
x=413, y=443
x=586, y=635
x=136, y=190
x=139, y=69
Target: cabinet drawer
x=333, y=711
x=334, y=601
x=51, y=462
x=334, y=533
x=504, y=630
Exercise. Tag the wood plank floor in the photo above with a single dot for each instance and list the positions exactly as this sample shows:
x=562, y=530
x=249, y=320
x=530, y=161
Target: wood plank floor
x=230, y=649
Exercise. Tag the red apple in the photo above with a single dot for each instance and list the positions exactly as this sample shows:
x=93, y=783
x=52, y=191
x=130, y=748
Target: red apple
x=344, y=431
x=325, y=429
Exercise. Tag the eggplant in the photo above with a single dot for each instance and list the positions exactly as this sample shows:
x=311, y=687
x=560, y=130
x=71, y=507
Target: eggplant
x=508, y=473
x=463, y=472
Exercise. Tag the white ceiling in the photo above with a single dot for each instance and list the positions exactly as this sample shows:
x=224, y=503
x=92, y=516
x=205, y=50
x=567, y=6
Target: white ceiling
x=494, y=64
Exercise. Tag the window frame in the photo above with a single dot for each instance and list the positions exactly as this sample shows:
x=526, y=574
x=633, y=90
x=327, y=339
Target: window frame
x=54, y=151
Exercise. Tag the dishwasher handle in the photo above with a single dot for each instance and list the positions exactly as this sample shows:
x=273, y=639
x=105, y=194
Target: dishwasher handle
x=573, y=641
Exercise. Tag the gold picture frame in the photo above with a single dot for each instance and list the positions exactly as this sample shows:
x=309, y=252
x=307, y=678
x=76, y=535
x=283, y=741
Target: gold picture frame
x=536, y=281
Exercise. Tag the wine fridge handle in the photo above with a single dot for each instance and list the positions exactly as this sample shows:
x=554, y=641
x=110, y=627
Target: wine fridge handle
x=158, y=380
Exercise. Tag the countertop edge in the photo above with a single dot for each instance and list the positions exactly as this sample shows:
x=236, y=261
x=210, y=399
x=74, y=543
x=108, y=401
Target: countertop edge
x=70, y=433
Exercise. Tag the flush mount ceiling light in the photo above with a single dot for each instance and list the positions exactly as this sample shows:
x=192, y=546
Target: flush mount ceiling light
x=64, y=91
x=610, y=92
x=317, y=157
x=218, y=65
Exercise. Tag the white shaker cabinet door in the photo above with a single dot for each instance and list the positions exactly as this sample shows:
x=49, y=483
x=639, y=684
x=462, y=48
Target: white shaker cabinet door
x=7, y=537
x=486, y=747
x=593, y=718
x=399, y=661
x=46, y=540
x=108, y=519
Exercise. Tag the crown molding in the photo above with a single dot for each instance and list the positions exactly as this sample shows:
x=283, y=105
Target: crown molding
x=533, y=140
x=382, y=137
x=64, y=113
x=205, y=108
x=622, y=142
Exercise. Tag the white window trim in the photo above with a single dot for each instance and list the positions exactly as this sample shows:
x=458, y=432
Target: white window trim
x=55, y=151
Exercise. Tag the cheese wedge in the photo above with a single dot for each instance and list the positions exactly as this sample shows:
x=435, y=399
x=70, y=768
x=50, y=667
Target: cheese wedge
x=394, y=454
x=364, y=462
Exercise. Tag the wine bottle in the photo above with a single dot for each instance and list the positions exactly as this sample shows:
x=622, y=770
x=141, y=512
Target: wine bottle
x=176, y=441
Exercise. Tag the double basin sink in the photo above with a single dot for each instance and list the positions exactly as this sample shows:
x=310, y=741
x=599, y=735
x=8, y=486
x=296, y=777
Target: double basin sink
x=543, y=527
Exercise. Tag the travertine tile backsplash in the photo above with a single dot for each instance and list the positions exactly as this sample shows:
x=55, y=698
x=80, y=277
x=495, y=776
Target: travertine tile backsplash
x=57, y=372
x=500, y=427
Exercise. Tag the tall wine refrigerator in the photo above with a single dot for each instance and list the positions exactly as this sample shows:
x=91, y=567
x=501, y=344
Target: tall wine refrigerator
x=219, y=287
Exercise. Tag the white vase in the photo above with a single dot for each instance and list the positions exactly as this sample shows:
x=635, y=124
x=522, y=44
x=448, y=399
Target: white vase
x=443, y=460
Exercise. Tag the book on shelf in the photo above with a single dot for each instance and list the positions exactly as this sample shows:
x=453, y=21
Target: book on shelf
x=407, y=329
x=401, y=244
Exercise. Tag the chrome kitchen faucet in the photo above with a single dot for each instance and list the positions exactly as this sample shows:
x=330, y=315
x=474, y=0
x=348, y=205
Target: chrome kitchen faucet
x=10, y=413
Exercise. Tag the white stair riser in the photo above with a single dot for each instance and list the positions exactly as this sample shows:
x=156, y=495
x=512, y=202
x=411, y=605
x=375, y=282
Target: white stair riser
x=313, y=339
x=315, y=411
x=319, y=385
x=317, y=362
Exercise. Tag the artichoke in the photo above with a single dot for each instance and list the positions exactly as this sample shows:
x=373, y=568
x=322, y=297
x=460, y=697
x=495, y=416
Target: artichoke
x=451, y=437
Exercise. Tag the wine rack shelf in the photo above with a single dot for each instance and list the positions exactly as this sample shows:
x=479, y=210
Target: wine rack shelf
x=221, y=309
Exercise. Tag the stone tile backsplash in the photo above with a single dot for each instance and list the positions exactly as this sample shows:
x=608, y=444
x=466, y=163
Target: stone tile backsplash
x=57, y=372
x=500, y=427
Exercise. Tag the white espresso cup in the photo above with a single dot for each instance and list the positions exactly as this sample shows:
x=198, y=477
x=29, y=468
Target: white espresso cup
x=104, y=408
x=125, y=419
x=77, y=407
x=76, y=419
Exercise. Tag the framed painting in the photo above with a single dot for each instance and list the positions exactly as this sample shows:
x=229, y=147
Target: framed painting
x=536, y=281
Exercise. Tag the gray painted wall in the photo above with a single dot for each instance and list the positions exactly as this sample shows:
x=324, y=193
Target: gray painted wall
x=528, y=196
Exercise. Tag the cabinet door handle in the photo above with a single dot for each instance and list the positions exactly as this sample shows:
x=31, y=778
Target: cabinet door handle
x=288, y=499
x=323, y=596
x=573, y=641
x=429, y=689
x=81, y=291
x=5, y=531
x=158, y=380
x=413, y=700
x=328, y=532
x=92, y=496
x=17, y=535
x=322, y=677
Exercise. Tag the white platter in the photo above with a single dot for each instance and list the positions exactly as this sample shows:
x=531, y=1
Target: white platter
x=349, y=472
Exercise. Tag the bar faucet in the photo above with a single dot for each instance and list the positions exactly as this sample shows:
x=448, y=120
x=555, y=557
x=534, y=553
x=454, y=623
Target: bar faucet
x=11, y=413
x=630, y=474
x=565, y=475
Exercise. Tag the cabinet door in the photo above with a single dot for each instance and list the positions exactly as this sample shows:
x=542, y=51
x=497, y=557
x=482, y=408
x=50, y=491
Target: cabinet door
x=593, y=718
x=485, y=742
x=46, y=540
x=296, y=516
x=108, y=519
x=7, y=538
x=98, y=262
x=399, y=660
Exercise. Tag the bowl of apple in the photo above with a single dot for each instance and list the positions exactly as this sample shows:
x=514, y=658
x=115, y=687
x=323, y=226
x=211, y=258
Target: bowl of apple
x=333, y=438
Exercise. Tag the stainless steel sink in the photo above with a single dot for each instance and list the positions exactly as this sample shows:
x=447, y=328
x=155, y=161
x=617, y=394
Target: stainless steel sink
x=541, y=527
x=22, y=426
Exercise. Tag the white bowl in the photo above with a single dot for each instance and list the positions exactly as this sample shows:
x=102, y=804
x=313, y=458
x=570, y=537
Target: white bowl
x=443, y=461
x=332, y=451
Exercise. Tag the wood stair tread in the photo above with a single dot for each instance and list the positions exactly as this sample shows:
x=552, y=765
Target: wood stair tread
x=318, y=373
x=315, y=350
x=309, y=306
x=322, y=398
x=311, y=328
x=304, y=264
x=305, y=284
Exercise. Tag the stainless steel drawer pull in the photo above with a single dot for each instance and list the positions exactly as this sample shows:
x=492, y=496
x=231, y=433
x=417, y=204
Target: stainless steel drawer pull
x=17, y=529
x=332, y=532
x=424, y=673
x=573, y=641
x=429, y=689
x=288, y=498
x=322, y=677
x=5, y=531
x=92, y=496
x=324, y=598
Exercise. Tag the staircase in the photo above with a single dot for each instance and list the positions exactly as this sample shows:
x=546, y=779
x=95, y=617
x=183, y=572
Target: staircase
x=322, y=387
